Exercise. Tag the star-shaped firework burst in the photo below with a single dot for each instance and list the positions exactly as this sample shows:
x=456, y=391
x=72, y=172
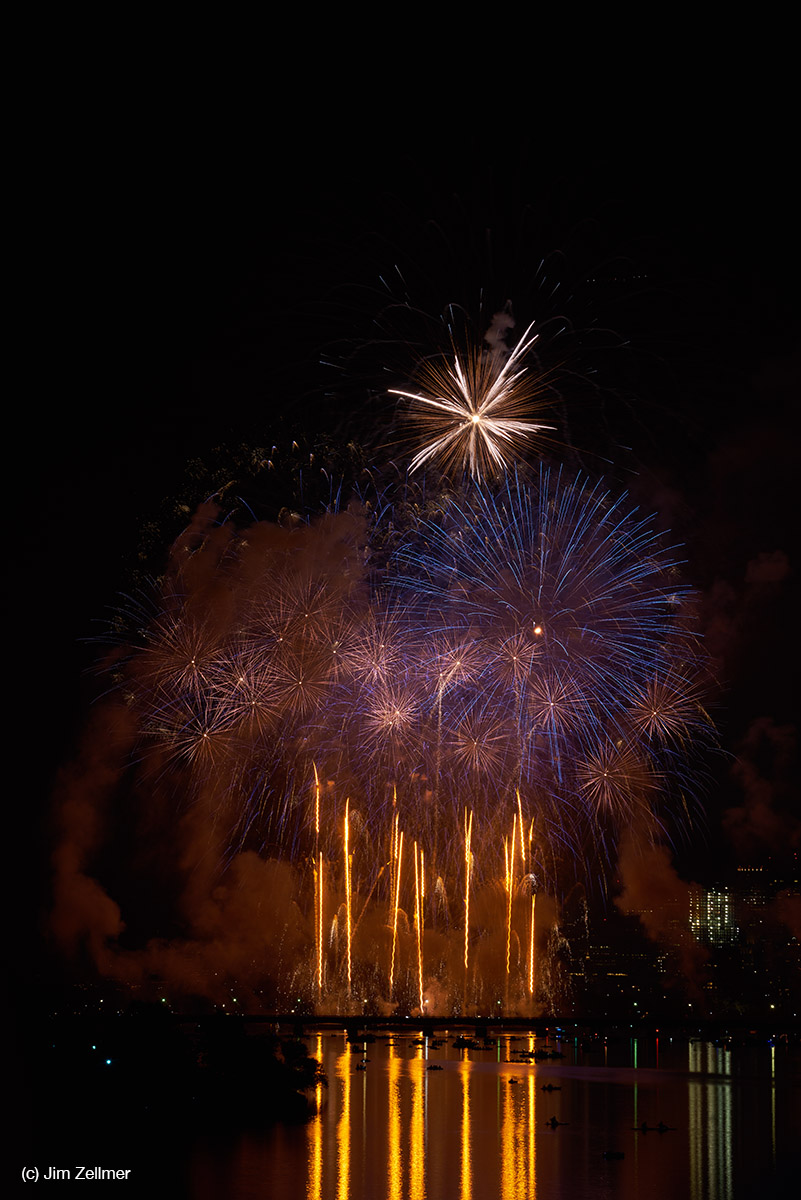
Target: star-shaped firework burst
x=475, y=411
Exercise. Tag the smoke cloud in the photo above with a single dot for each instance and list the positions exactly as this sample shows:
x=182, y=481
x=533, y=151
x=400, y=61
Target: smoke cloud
x=653, y=891
x=763, y=771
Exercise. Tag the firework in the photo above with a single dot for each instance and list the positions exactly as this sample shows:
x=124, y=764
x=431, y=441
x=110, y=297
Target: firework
x=348, y=896
x=474, y=410
x=503, y=677
x=575, y=605
x=419, y=902
x=397, y=859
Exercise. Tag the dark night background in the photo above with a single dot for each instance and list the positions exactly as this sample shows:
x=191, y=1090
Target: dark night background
x=193, y=267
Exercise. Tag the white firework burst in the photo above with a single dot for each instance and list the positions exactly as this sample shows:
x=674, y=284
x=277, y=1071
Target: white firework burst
x=476, y=410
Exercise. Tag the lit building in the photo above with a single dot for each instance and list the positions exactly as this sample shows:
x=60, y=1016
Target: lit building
x=712, y=917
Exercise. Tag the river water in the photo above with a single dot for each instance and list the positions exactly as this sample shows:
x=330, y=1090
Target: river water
x=482, y=1127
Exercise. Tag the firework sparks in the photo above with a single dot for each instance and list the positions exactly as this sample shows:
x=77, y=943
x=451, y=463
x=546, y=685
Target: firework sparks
x=670, y=707
x=397, y=859
x=522, y=640
x=475, y=412
x=468, y=869
x=419, y=899
x=526, y=645
x=348, y=904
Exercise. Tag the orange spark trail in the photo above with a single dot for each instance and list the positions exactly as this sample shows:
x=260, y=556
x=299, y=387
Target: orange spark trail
x=347, y=891
x=399, y=847
x=468, y=858
x=419, y=895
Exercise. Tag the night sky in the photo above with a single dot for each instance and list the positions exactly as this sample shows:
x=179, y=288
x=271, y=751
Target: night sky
x=197, y=269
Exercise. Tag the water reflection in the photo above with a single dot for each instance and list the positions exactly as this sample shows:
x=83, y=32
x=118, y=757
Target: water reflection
x=394, y=1157
x=480, y=1126
x=417, y=1138
x=773, y=1104
x=467, y=1170
x=316, y=1133
x=710, y=1122
x=518, y=1139
x=391, y=1125
x=343, y=1075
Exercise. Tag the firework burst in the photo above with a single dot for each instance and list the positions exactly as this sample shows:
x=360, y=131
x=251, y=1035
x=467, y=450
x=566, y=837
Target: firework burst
x=474, y=410
x=511, y=646
x=496, y=672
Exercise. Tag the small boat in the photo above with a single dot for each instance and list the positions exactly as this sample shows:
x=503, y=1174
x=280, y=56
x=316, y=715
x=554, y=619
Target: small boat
x=433, y=1067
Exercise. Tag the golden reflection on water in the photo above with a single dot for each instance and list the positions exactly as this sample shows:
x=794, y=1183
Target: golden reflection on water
x=375, y=1136
x=417, y=1150
x=466, y=1192
x=517, y=1128
x=343, y=1128
x=532, y=1143
x=394, y=1162
x=370, y=1138
x=509, y=1185
x=410, y=1169
x=517, y=1135
x=315, y=1127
